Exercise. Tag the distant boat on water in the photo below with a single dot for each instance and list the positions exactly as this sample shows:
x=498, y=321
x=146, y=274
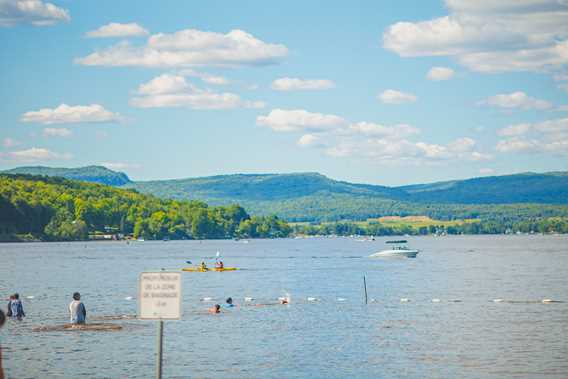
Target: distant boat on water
x=399, y=249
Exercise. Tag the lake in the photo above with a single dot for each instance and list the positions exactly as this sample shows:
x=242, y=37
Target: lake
x=466, y=334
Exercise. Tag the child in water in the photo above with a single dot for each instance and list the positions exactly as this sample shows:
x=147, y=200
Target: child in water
x=215, y=309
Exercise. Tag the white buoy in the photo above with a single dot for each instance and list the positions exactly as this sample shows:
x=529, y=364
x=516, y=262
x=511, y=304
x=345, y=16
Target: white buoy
x=498, y=300
x=312, y=299
x=404, y=300
x=248, y=299
x=30, y=297
x=435, y=300
x=547, y=301
x=373, y=300
x=128, y=298
x=207, y=299
x=340, y=299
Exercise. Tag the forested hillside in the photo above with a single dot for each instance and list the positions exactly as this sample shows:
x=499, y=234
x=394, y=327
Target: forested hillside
x=93, y=174
x=60, y=209
x=315, y=198
x=548, y=188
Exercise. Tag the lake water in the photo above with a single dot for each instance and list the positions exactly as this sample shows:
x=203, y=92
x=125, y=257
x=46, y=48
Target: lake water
x=337, y=336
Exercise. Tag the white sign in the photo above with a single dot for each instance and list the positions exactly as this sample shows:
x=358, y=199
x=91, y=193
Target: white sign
x=159, y=296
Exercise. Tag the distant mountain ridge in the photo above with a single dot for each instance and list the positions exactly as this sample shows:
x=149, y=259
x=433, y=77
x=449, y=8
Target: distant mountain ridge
x=94, y=174
x=312, y=196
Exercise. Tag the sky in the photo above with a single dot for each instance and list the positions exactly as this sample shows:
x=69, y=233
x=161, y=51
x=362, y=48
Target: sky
x=382, y=92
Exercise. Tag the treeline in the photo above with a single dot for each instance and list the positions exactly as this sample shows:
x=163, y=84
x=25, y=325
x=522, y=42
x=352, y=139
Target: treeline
x=547, y=225
x=323, y=208
x=57, y=209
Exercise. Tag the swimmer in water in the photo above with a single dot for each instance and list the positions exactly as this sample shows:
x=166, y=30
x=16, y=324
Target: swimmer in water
x=229, y=302
x=215, y=309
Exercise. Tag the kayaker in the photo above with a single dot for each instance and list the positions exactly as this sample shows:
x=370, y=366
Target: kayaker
x=215, y=309
x=203, y=266
x=219, y=265
x=77, y=310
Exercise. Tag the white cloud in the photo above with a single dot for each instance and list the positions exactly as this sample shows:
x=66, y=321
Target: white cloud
x=549, y=136
x=516, y=145
x=163, y=84
x=562, y=108
x=545, y=127
x=516, y=100
x=120, y=165
x=391, y=96
x=461, y=145
x=167, y=91
x=190, y=47
x=282, y=120
x=35, y=12
x=514, y=130
x=311, y=140
x=295, y=84
x=403, y=151
x=67, y=114
x=215, y=80
x=34, y=154
x=377, y=130
x=206, y=77
x=10, y=142
x=56, y=132
x=115, y=29
x=489, y=36
x=387, y=144
x=440, y=73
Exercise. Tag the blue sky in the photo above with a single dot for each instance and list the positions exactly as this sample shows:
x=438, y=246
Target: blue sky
x=367, y=91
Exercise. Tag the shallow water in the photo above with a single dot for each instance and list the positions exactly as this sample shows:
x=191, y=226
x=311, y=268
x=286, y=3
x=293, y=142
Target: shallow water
x=466, y=334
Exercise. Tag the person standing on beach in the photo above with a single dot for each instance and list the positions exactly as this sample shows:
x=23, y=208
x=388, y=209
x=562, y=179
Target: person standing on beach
x=16, y=308
x=77, y=310
x=2, y=321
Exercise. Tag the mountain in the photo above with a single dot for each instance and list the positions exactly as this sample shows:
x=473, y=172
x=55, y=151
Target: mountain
x=261, y=187
x=547, y=188
x=94, y=174
x=315, y=197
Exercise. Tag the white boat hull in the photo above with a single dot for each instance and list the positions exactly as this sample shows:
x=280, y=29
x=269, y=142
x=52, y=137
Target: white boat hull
x=406, y=253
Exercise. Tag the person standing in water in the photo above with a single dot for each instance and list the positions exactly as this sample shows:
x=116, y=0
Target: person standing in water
x=16, y=308
x=9, y=309
x=77, y=310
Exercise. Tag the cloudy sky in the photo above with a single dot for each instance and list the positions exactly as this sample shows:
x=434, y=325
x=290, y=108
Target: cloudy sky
x=368, y=91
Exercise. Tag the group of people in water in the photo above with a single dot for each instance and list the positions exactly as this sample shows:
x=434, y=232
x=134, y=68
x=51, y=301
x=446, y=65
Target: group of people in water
x=77, y=310
x=229, y=304
x=15, y=311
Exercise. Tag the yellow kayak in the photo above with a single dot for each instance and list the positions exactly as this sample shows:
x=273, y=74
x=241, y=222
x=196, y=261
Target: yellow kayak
x=199, y=269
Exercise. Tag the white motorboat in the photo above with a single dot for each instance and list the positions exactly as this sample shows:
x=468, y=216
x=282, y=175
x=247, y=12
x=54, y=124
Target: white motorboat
x=399, y=249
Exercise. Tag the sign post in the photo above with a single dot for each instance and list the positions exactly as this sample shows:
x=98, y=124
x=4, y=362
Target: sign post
x=159, y=298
